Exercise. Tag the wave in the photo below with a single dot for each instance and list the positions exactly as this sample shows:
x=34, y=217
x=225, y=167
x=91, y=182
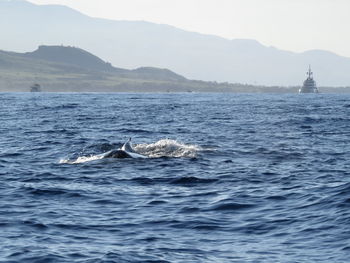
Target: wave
x=162, y=148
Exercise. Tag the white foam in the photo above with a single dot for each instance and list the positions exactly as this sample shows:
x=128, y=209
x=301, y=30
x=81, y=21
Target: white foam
x=167, y=148
x=82, y=159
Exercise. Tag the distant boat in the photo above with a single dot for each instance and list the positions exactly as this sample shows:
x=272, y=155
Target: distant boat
x=309, y=85
x=35, y=88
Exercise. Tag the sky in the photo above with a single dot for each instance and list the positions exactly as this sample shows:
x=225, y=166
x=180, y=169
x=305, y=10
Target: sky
x=294, y=25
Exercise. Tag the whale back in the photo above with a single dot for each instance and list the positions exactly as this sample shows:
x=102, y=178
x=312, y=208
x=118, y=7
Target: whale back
x=117, y=154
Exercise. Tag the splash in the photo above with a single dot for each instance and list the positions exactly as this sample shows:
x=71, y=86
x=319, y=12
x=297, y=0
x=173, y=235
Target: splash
x=161, y=148
x=167, y=148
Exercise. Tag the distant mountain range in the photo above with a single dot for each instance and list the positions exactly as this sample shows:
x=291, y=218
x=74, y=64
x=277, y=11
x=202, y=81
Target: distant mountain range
x=133, y=44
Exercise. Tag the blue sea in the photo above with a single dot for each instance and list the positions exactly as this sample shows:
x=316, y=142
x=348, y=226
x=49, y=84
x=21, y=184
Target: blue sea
x=228, y=178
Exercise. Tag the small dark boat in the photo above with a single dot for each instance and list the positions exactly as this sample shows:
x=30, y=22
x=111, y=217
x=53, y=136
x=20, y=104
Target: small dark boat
x=35, y=88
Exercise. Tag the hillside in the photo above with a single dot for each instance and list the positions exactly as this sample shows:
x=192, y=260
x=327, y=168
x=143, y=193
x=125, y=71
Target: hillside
x=60, y=68
x=70, y=56
x=133, y=44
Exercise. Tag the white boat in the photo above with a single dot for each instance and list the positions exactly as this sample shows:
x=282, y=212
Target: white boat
x=309, y=85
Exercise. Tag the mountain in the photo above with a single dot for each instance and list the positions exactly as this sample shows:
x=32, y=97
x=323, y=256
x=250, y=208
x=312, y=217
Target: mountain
x=133, y=44
x=60, y=59
x=61, y=69
x=72, y=56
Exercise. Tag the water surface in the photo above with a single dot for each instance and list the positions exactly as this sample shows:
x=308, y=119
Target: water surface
x=229, y=178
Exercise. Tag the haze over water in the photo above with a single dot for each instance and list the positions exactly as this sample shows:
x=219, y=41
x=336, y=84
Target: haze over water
x=230, y=178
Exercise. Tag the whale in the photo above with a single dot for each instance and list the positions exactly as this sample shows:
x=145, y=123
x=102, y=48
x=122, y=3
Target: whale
x=126, y=151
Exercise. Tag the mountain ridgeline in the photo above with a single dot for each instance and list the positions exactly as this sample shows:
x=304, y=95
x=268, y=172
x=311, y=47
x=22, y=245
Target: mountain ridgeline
x=79, y=60
x=74, y=57
x=133, y=44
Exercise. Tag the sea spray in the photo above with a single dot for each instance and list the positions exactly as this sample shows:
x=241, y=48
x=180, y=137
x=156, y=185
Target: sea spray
x=168, y=148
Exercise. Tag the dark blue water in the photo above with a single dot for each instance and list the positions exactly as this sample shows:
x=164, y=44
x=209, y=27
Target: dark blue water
x=230, y=178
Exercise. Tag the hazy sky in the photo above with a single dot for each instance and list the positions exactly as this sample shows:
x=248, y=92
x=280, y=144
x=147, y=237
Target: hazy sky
x=296, y=25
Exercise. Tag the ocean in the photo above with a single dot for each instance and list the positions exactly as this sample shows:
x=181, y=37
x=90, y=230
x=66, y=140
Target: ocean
x=228, y=178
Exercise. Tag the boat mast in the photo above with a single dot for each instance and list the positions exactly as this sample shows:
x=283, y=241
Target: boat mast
x=309, y=73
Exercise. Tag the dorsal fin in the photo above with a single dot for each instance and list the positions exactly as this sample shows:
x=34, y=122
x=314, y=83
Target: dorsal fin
x=127, y=146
